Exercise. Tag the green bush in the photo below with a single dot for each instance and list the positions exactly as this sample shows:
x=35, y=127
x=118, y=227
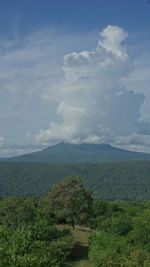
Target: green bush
x=107, y=249
x=26, y=247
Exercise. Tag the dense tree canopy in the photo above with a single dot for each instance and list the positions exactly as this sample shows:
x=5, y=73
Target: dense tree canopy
x=108, y=181
x=70, y=200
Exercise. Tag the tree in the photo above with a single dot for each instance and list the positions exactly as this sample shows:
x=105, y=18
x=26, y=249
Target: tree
x=70, y=200
x=16, y=210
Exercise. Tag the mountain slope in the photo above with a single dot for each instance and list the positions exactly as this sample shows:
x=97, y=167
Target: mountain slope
x=71, y=153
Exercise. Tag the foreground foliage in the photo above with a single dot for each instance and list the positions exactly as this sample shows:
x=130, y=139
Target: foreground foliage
x=122, y=238
x=29, y=237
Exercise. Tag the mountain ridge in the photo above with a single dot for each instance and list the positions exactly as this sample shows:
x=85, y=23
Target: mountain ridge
x=80, y=153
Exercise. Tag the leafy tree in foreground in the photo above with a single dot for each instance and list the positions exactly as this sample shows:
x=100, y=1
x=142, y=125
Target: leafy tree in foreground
x=70, y=200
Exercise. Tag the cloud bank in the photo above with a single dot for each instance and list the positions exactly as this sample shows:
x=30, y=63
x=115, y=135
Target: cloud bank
x=96, y=103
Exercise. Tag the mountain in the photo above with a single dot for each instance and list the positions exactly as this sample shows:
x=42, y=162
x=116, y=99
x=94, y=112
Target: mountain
x=82, y=153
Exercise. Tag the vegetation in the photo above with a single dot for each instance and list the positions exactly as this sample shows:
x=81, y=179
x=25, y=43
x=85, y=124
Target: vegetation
x=70, y=200
x=122, y=236
x=108, y=181
x=28, y=238
x=119, y=232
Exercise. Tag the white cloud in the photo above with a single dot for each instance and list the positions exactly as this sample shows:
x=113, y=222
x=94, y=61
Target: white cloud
x=94, y=95
x=29, y=68
x=113, y=38
x=15, y=150
x=95, y=104
x=135, y=141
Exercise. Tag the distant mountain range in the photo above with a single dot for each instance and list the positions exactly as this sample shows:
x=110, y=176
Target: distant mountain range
x=82, y=153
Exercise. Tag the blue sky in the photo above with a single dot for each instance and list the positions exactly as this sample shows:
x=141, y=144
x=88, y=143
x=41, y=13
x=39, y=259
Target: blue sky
x=74, y=71
x=25, y=16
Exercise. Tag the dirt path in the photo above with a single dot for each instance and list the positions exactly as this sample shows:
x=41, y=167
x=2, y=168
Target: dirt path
x=80, y=251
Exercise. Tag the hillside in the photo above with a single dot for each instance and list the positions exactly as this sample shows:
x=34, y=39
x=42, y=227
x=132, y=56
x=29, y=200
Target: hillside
x=108, y=181
x=83, y=153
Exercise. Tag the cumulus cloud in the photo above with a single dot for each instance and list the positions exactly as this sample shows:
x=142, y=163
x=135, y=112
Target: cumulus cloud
x=95, y=105
x=96, y=94
x=29, y=68
x=112, y=40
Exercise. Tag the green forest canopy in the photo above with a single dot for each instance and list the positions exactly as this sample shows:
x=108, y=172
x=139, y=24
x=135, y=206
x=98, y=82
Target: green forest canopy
x=107, y=181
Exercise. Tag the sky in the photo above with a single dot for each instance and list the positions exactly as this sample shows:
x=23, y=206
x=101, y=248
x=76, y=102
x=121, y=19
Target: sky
x=74, y=71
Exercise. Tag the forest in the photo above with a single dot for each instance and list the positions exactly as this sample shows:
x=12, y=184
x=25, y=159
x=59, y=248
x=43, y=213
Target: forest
x=107, y=181
x=39, y=231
